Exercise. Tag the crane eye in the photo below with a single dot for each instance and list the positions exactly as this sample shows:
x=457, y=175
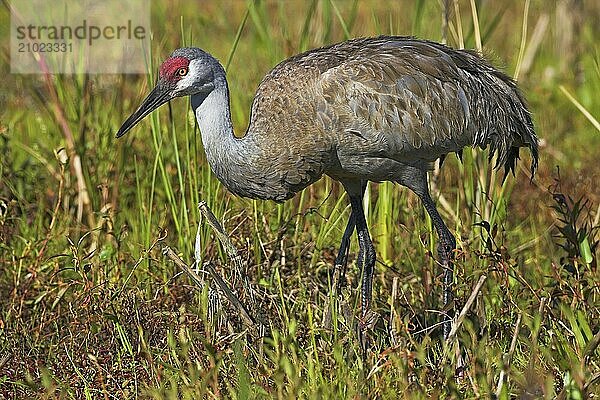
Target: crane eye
x=182, y=71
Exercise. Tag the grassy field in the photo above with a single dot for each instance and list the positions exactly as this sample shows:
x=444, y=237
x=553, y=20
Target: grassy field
x=91, y=308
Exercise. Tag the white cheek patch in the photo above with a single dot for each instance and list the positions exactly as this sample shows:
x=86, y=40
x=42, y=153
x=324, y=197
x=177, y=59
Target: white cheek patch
x=188, y=80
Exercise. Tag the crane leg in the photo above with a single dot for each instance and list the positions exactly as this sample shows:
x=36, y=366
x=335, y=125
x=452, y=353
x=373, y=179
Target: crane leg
x=416, y=180
x=338, y=279
x=366, y=254
x=446, y=247
x=366, y=257
x=341, y=261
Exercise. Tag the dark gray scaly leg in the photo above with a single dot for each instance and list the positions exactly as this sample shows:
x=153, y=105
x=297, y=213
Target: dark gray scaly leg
x=366, y=253
x=366, y=258
x=416, y=180
x=341, y=261
x=446, y=248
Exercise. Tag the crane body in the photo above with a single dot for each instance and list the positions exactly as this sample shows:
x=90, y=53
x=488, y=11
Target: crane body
x=370, y=109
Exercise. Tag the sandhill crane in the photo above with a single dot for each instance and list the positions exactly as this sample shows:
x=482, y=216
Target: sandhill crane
x=369, y=109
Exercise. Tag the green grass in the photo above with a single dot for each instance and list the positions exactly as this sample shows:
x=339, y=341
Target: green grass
x=90, y=308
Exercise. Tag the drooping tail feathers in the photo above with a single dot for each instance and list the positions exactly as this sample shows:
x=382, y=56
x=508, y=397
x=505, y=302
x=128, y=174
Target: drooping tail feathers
x=503, y=119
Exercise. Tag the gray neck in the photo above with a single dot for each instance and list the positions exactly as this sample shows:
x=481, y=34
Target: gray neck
x=230, y=158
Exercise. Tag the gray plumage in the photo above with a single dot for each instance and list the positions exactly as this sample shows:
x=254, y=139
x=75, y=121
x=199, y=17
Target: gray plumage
x=374, y=109
x=368, y=107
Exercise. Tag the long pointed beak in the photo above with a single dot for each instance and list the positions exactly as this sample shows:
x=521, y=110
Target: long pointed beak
x=157, y=97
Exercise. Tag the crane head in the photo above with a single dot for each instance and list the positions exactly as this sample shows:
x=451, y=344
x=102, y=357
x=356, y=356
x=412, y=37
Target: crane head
x=186, y=72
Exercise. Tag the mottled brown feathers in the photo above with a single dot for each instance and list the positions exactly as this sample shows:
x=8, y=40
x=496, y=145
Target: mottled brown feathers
x=400, y=99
